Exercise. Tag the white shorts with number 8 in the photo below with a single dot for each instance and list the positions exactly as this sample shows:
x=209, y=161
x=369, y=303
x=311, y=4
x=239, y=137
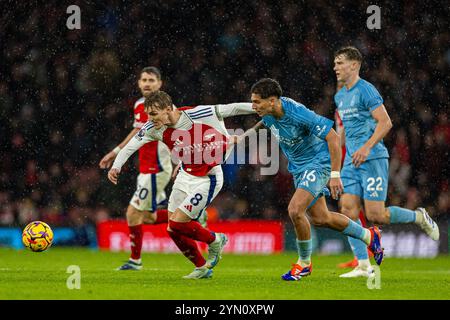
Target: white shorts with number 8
x=192, y=194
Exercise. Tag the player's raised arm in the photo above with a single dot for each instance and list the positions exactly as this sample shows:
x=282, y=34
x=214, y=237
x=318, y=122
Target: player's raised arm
x=135, y=143
x=234, y=109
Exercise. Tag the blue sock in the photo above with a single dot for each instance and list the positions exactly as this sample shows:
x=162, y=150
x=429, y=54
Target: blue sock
x=358, y=246
x=401, y=215
x=354, y=229
x=304, y=249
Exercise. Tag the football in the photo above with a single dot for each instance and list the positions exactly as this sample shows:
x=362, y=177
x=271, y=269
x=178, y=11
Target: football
x=37, y=236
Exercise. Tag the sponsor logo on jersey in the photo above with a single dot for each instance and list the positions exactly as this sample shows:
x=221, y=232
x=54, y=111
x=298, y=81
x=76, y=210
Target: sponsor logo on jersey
x=188, y=207
x=345, y=114
x=209, y=136
x=281, y=139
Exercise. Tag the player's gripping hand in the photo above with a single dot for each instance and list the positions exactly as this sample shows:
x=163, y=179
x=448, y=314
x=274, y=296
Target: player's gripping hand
x=235, y=139
x=113, y=175
x=107, y=160
x=336, y=187
x=360, y=156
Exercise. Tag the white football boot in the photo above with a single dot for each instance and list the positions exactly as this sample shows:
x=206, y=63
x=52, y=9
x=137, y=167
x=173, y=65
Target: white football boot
x=427, y=224
x=200, y=273
x=215, y=250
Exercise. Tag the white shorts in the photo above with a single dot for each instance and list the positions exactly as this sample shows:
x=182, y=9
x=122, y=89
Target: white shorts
x=192, y=194
x=150, y=191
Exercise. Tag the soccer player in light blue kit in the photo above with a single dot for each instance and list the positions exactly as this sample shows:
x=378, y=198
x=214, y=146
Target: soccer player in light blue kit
x=365, y=172
x=313, y=151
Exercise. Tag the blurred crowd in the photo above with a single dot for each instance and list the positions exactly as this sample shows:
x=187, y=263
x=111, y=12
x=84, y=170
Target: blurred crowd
x=66, y=96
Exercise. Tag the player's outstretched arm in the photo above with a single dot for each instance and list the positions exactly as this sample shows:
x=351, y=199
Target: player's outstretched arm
x=334, y=146
x=131, y=147
x=108, y=159
x=234, y=109
x=384, y=125
x=235, y=139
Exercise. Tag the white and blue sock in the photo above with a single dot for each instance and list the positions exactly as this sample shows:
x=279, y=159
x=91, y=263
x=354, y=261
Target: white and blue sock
x=355, y=230
x=358, y=246
x=304, y=249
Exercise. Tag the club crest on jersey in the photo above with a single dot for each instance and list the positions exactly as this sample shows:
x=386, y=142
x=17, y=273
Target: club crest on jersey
x=320, y=129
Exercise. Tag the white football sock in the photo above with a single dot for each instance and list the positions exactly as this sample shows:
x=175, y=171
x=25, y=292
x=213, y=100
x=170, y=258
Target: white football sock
x=137, y=261
x=303, y=263
x=366, y=236
x=364, y=264
x=419, y=218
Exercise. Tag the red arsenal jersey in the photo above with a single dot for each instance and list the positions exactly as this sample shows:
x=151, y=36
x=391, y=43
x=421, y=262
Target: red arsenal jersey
x=149, y=160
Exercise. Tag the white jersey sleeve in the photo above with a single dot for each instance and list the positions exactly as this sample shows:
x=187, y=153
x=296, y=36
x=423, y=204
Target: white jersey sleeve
x=233, y=109
x=146, y=134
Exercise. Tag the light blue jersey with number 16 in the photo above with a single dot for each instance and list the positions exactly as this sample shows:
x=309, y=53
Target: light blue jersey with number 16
x=301, y=134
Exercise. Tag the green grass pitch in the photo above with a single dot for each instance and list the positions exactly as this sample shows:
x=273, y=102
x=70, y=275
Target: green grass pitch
x=29, y=275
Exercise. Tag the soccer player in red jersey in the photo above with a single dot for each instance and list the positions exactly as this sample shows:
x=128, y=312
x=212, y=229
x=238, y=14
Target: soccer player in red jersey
x=198, y=138
x=155, y=170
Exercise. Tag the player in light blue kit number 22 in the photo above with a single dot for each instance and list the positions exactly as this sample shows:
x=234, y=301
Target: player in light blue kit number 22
x=366, y=166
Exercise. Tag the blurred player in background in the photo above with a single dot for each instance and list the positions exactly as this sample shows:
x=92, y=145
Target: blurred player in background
x=312, y=148
x=365, y=173
x=197, y=136
x=155, y=169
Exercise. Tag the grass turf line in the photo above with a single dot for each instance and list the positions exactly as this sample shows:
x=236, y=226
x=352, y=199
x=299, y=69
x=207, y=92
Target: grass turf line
x=29, y=275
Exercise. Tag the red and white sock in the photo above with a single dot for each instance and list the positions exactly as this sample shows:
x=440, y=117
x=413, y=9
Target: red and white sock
x=193, y=230
x=188, y=247
x=136, y=242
